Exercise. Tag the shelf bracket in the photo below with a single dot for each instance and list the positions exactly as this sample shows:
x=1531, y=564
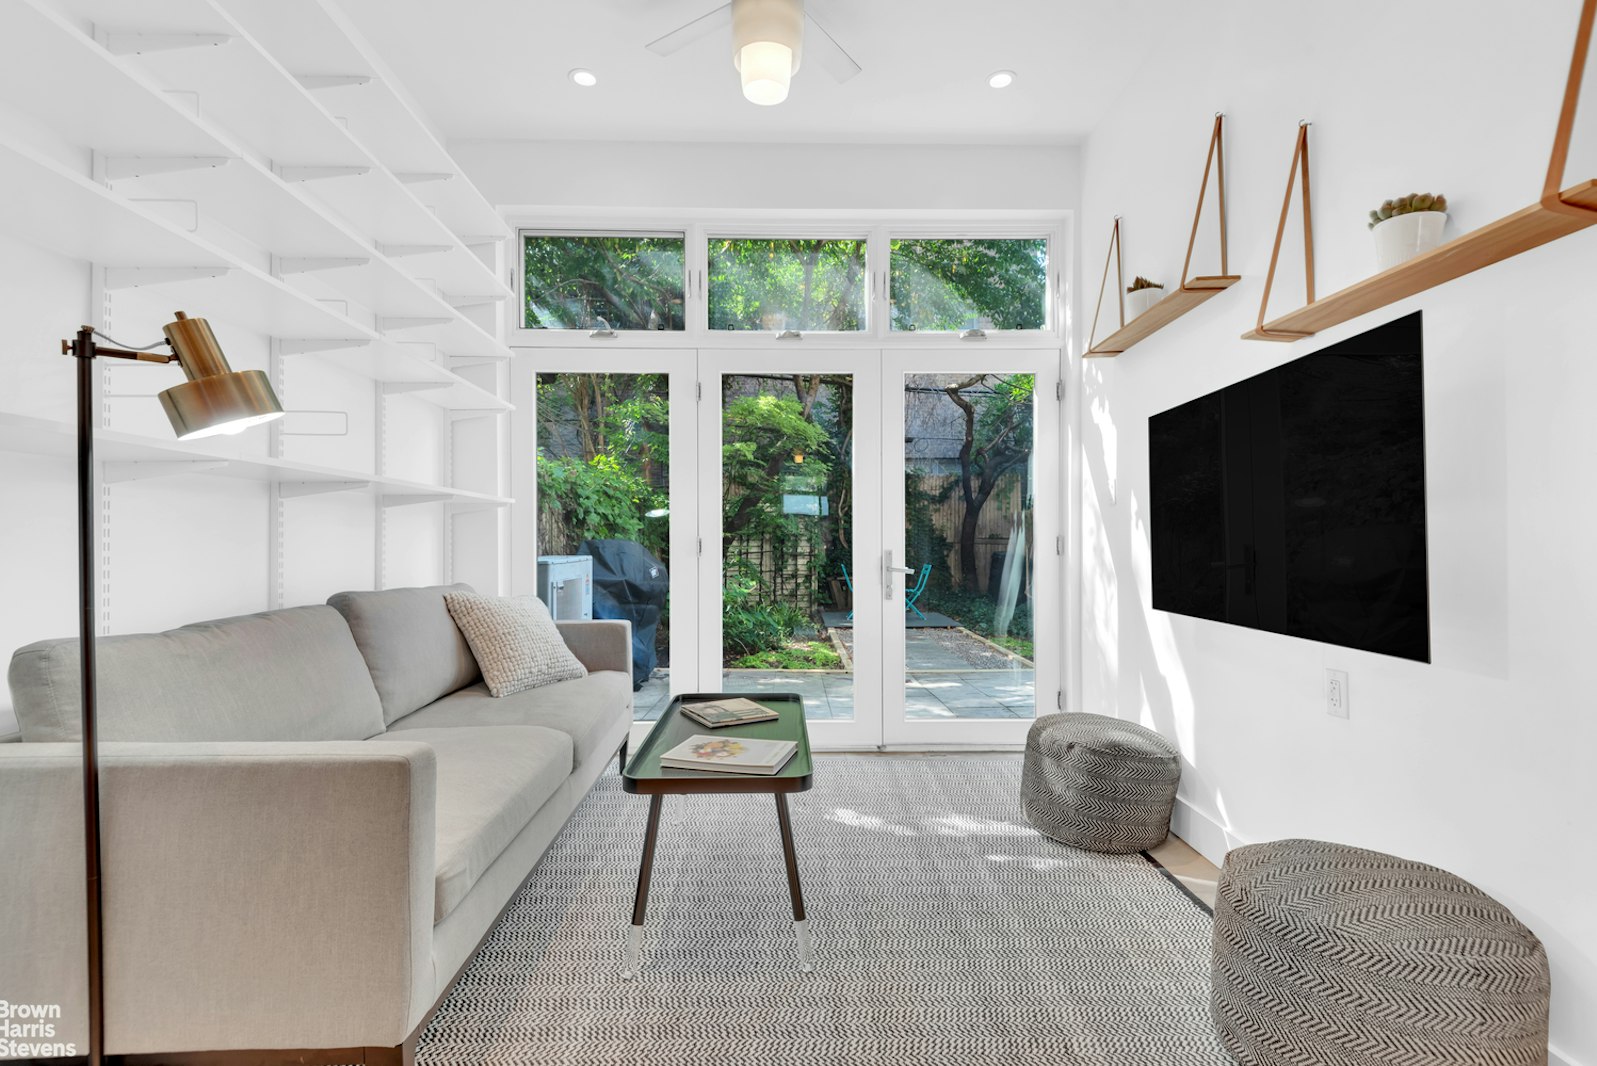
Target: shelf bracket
x=290, y=490
x=399, y=388
x=473, y=301
x=282, y=266
x=420, y=177
x=400, y=251
x=134, y=277
x=117, y=472
x=407, y=499
x=1300, y=166
x=299, y=174
x=1552, y=199
x=312, y=345
x=332, y=81
x=1215, y=160
x=1120, y=283
x=119, y=168
x=385, y=323
x=129, y=44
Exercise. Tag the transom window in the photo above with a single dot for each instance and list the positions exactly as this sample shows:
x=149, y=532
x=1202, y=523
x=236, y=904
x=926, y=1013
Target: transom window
x=874, y=282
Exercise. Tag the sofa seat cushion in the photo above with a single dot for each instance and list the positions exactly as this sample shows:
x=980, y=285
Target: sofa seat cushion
x=585, y=709
x=491, y=781
x=281, y=675
x=413, y=648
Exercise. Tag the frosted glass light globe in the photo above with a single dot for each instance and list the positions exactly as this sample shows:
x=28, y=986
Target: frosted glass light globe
x=767, y=70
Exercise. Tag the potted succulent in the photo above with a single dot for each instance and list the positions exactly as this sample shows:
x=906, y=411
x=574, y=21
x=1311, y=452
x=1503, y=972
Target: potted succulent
x=1142, y=294
x=1407, y=226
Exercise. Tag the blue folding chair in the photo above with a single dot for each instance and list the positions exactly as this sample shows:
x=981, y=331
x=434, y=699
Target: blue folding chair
x=913, y=594
x=850, y=583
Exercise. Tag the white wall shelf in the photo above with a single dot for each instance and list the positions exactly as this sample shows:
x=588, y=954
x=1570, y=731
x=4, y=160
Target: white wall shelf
x=124, y=454
x=180, y=95
x=49, y=206
x=314, y=41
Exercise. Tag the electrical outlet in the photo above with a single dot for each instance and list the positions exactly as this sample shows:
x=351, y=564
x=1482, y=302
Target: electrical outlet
x=1336, y=694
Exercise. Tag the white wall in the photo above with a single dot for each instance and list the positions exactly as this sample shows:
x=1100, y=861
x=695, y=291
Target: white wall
x=1481, y=761
x=767, y=177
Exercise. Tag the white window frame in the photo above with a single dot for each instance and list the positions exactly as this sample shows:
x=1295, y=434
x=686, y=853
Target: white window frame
x=878, y=227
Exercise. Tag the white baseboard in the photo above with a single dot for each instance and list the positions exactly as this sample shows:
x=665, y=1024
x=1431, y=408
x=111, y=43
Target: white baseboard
x=1558, y=1058
x=1205, y=835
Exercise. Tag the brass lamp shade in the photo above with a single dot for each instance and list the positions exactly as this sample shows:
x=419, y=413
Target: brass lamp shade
x=215, y=398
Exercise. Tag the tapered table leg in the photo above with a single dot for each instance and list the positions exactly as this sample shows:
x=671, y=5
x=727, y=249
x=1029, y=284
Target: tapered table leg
x=640, y=902
x=801, y=925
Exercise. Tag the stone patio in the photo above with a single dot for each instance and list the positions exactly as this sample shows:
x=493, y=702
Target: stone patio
x=940, y=684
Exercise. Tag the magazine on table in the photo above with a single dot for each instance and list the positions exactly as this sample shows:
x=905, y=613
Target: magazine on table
x=730, y=755
x=733, y=711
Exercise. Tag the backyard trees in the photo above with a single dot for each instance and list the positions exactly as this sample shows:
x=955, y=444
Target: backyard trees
x=997, y=412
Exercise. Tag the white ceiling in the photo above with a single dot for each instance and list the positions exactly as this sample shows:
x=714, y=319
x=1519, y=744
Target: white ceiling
x=496, y=69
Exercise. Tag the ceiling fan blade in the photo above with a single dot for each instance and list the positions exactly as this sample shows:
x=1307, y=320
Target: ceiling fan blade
x=823, y=48
x=703, y=26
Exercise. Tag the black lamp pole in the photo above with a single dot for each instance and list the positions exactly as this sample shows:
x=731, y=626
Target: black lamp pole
x=83, y=350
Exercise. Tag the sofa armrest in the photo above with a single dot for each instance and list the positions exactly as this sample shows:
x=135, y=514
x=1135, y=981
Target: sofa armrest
x=600, y=645
x=256, y=895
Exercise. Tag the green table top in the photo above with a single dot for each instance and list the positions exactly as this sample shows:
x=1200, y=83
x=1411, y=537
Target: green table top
x=644, y=774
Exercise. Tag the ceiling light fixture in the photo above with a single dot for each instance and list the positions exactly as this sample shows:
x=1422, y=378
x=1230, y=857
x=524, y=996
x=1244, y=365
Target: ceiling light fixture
x=767, y=46
x=1001, y=79
x=583, y=77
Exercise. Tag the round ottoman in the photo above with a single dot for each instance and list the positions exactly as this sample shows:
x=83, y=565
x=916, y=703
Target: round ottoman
x=1099, y=783
x=1330, y=954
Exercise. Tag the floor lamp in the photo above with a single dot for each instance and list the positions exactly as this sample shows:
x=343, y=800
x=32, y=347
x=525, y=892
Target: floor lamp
x=214, y=399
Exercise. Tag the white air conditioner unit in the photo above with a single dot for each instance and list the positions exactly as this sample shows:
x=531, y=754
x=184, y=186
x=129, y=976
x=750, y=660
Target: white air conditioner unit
x=565, y=585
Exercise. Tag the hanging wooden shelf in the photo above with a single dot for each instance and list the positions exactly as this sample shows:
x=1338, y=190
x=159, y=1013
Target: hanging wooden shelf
x=1557, y=214
x=1191, y=292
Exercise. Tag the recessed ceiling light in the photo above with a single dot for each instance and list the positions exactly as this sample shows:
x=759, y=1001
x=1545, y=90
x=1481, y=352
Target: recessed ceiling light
x=1001, y=79
x=585, y=78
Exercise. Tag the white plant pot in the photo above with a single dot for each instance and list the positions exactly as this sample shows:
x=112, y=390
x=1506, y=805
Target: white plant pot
x=1139, y=301
x=1402, y=237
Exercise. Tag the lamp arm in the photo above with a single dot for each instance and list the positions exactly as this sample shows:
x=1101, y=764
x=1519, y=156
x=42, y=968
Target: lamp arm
x=94, y=351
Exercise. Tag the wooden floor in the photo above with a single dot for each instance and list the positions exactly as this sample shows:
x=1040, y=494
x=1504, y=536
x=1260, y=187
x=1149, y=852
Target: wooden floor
x=1190, y=868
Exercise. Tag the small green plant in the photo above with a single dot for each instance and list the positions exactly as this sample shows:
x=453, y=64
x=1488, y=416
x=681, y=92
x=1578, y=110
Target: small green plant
x=1141, y=282
x=795, y=655
x=1403, y=205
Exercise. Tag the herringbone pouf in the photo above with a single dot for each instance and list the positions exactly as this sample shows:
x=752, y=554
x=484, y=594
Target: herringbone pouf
x=1326, y=954
x=1099, y=783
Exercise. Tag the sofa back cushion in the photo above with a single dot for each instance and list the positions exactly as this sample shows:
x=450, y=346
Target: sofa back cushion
x=414, y=650
x=282, y=675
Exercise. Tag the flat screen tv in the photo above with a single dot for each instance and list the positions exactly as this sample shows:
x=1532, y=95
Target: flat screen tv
x=1294, y=501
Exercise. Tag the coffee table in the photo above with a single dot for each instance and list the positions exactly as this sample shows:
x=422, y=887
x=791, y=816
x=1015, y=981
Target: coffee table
x=645, y=776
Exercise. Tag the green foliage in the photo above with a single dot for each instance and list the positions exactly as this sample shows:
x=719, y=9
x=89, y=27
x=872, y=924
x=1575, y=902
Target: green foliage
x=975, y=612
x=1141, y=283
x=1403, y=205
x=795, y=655
x=749, y=627
x=759, y=284
x=598, y=497
x=574, y=282
x=940, y=284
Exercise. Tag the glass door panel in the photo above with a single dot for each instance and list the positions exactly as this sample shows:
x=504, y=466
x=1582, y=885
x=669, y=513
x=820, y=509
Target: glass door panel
x=972, y=524
x=787, y=465
x=614, y=453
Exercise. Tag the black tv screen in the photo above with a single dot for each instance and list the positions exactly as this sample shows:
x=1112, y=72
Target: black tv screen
x=1294, y=501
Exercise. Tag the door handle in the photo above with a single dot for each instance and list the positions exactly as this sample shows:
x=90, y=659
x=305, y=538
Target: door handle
x=888, y=570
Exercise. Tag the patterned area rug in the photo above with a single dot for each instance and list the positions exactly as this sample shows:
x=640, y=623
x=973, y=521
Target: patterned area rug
x=946, y=930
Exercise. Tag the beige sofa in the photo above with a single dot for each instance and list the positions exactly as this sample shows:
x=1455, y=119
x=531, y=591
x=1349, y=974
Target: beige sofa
x=312, y=817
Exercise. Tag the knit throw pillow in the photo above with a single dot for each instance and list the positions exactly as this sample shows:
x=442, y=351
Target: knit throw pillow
x=514, y=641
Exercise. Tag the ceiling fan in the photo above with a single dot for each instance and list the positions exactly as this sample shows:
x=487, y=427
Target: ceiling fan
x=768, y=39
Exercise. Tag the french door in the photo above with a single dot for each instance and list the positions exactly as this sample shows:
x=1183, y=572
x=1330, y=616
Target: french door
x=972, y=577
x=876, y=531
